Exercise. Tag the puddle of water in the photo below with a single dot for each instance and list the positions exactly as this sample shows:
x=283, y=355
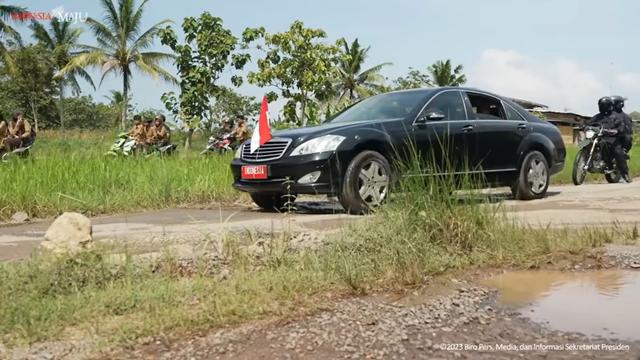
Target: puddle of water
x=597, y=303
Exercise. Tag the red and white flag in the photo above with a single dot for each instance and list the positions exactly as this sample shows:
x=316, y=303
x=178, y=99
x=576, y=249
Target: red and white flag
x=262, y=132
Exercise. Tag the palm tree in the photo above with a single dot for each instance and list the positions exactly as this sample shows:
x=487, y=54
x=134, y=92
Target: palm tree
x=442, y=74
x=62, y=40
x=121, y=46
x=7, y=32
x=116, y=100
x=353, y=81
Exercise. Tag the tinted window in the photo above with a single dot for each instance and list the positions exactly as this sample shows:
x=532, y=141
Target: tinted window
x=448, y=103
x=383, y=107
x=483, y=107
x=512, y=114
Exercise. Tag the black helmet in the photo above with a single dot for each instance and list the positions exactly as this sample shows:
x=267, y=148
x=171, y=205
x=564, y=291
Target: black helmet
x=605, y=105
x=618, y=103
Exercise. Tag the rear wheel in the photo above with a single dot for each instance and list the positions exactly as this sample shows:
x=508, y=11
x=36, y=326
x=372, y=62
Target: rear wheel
x=269, y=202
x=613, y=178
x=579, y=172
x=366, y=183
x=533, y=181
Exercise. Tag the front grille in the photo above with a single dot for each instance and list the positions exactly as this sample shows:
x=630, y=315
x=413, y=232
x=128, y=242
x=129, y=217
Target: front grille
x=271, y=150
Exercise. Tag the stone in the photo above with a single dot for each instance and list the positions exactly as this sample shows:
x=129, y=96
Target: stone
x=69, y=233
x=20, y=217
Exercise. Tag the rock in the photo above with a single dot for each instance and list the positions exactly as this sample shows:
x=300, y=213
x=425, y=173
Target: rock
x=20, y=217
x=635, y=265
x=69, y=233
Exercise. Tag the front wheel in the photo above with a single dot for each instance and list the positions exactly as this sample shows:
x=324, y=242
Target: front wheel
x=366, y=183
x=579, y=172
x=533, y=180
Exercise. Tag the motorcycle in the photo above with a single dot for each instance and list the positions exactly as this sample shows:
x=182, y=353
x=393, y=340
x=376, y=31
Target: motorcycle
x=218, y=144
x=123, y=145
x=21, y=152
x=590, y=158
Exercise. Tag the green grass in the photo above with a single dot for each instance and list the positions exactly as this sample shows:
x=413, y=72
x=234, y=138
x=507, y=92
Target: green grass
x=564, y=177
x=69, y=172
x=421, y=232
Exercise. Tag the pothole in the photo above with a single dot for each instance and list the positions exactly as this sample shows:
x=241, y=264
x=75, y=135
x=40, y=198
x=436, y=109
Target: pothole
x=595, y=303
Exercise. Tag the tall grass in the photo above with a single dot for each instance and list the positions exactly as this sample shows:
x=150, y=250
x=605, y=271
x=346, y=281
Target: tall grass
x=69, y=171
x=422, y=231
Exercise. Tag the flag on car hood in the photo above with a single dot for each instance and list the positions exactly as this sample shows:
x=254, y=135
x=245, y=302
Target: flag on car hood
x=262, y=132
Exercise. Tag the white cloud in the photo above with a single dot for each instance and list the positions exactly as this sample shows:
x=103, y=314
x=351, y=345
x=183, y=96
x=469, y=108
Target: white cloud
x=560, y=83
x=628, y=81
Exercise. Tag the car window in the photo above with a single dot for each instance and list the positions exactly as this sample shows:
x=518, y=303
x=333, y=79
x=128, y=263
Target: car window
x=448, y=103
x=383, y=107
x=512, y=114
x=484, y=107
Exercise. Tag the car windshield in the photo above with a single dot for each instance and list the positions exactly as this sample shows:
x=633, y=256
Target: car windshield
x=383, y=107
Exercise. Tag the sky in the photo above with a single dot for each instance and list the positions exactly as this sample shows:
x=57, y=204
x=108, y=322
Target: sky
x=562, y=53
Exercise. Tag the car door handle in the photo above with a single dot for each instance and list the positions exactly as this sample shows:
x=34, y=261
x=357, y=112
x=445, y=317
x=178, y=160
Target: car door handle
x=467, y=128
x=522, y=126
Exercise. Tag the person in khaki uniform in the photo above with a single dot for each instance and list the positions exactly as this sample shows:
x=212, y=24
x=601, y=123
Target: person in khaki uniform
x=21, y=134
x=161, y=135
x=240, y=132
x=138, y=132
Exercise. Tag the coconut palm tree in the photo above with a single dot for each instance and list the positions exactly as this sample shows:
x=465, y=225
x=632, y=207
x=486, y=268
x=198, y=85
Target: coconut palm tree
x=7, y=12
x=116, y=100
x=353, y=82
x=122, y=46
x=62, y=40
x=443, y=75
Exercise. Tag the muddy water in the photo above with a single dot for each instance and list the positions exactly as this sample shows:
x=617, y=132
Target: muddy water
x=598, y=303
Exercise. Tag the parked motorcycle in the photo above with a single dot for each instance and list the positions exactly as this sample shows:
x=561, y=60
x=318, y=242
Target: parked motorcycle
x=218, y=144
x=590, y=157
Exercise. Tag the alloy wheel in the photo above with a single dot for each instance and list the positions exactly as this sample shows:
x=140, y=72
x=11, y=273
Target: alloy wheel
x=537, y=176
x=373, y=183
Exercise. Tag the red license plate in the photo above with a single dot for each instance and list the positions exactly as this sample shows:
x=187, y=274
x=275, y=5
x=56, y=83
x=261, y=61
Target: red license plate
x=253, y=172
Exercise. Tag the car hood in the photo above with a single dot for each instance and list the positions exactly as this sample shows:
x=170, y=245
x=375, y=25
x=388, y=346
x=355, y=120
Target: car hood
x=309, y=132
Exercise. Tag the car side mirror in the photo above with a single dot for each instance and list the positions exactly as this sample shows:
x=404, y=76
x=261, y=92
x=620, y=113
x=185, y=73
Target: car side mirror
x=431, y=116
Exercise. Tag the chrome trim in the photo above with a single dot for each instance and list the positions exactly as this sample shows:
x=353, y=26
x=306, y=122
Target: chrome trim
x=269, y=157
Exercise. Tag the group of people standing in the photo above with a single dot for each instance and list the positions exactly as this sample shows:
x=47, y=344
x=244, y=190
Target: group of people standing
x=611, y=116
x=17, y=133
x=147, y=133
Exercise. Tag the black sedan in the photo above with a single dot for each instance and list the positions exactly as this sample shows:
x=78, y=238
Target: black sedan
x=353, y=154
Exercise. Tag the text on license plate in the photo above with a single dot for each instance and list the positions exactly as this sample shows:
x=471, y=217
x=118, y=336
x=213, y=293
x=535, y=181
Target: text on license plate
x=253, y=172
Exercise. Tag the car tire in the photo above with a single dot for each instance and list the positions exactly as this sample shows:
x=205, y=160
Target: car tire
x=533, y=179
x=270, y=201
x=369, y=175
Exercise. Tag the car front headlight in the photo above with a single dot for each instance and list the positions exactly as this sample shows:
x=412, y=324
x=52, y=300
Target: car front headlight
x=318, y=145
x=238, y=152
x=590, y=134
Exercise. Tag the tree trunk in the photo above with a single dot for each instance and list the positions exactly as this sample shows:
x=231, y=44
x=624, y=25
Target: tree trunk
x=61, y=105
x=303, y=105
x=187, y=141
x=35, y=115
x=125, y=100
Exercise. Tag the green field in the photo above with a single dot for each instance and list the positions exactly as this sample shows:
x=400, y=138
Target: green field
x=69, y=171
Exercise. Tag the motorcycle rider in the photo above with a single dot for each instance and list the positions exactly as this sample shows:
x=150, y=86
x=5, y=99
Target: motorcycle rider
x=21, y=134
x=615, y=128
x=627, y=137
x=138, y=132
x=161, y=133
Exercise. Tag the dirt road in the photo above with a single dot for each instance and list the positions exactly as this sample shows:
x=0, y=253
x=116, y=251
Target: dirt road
x=565, y=206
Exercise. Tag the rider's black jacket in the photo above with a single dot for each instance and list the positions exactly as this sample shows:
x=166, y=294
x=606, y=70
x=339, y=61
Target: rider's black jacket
x=626, y=119
x=611, y=122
